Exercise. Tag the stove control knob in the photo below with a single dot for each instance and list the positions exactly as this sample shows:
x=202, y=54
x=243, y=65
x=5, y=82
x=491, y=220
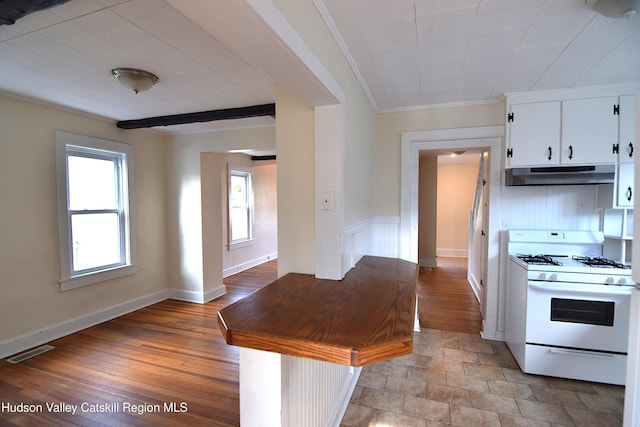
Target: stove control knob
x=609, y=281
x=543, y=276
x=622, y=281
x=553, y=277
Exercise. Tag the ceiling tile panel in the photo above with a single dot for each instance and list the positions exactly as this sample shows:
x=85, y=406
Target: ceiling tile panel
x=388, y=35
x=407, y=53
x=438, y=96
x=451, y=49
x=445, y=26
x=504, y=41
x=434, y=7
x=370, y=12
x=452, y=66
x=557, y=22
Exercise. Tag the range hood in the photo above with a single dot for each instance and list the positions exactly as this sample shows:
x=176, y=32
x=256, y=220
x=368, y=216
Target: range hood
x=561, y=175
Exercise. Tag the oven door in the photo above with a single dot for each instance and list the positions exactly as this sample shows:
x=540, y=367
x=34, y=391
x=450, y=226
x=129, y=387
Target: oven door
x=581, y=316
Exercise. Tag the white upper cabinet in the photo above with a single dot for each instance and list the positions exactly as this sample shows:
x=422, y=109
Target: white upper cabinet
x=534, y=134
x=625, y=186
x=589, y=131
x=571, y=127
x=627, y=129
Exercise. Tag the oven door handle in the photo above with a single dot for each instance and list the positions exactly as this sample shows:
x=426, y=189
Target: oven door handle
x=582, y=353
x=586, y=290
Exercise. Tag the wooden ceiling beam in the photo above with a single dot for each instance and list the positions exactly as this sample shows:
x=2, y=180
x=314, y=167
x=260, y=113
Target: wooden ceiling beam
x=203, y=116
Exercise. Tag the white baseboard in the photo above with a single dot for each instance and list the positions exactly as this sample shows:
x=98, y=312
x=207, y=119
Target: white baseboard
x=198, y=297
x=338, y=413
x=29, y=340
x=452, y=252
x=475, y=286
x=247, y=265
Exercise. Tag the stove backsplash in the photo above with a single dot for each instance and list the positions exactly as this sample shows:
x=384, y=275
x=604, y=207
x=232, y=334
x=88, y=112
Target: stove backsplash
x=570, y=207
x=562, y=207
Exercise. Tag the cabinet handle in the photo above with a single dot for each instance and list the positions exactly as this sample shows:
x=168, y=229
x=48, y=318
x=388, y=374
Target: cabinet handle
x=550, y=152
x=630, y=149
x=570, y=152
x=629, y=194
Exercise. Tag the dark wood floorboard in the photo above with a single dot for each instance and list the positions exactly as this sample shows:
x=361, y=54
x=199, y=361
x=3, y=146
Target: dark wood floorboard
x=173, y=352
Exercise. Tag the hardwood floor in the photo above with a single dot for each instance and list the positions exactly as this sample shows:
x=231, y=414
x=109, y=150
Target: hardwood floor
x=445, y=299
x=123, y=372
x=171, y=352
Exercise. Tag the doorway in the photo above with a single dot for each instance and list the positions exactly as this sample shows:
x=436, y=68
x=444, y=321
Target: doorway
x=489, y=138
x=450, y=237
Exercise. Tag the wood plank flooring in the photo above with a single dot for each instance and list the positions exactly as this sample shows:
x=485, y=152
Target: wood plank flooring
x=168, y=353
x=445, y=299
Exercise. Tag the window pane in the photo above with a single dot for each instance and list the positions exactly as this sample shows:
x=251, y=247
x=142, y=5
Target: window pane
x=238, y=190
x=240, y=224
x=96, y=240
x=92, y=183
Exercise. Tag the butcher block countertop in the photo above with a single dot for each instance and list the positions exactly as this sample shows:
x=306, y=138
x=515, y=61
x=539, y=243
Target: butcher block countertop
x=365, y=318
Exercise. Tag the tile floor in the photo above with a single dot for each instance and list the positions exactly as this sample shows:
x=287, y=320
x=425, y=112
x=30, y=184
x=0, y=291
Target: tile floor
x=459, y=379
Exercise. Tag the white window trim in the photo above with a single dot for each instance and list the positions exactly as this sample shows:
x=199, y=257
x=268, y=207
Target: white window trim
x=67, y=281
x=231, y=168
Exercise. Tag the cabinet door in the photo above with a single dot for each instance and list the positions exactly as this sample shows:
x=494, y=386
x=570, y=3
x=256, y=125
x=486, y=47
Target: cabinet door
x=589, y=131
x=627, y=128
x=624, y=186
x=534, y=134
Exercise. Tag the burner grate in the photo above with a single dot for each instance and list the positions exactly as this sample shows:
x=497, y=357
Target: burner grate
x=599, y=262
x=538, y=259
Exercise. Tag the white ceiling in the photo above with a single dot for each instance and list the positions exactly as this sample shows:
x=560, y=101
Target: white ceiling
x=406, y=53
x=424, y=52
x=64, y=55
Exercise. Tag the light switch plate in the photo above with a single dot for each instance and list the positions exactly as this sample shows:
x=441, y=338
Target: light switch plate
x=325, y=200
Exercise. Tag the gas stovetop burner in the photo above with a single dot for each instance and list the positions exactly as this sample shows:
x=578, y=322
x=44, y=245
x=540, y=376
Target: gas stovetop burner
x=538, y=259
x=599, y=262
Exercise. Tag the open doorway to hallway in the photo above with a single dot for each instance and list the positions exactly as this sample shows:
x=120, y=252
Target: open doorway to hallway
x=451, y=211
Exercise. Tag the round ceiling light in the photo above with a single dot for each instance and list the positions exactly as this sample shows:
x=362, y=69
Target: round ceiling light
x=615, y=8
x=135, y=79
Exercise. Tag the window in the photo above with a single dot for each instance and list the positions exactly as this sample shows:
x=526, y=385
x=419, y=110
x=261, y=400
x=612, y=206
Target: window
x=240, y=205
x=94, y=195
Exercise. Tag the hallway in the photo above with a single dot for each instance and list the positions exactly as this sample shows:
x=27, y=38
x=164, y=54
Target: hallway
x=445, y=299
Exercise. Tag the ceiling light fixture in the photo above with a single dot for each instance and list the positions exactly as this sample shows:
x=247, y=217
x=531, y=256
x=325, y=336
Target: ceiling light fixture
x=135, y=79
x=615, y=8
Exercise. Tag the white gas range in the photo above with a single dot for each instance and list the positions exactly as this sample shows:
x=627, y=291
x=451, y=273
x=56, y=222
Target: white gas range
x=567, y=308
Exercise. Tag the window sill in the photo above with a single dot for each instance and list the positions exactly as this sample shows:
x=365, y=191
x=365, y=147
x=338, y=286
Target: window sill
x=69, y=283
x=240, y=245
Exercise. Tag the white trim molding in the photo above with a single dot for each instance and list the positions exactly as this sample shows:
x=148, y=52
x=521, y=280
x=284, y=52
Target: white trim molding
x=248, y=264
x=490, y=137
x=197, y=297
x=42, y=336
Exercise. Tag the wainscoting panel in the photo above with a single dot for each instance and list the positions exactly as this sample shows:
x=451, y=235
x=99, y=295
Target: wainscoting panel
x=378, y=236
x=319, y=392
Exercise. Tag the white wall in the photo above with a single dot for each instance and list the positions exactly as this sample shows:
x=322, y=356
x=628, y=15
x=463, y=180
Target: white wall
x=264, y=245
x=389, y=127
x=456, y=188
x=296, y=189
x=189, y=278
x=32, y=307
x=359, y=174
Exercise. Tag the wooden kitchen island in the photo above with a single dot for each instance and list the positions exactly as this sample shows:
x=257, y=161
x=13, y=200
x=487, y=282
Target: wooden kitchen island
x=302, y=332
